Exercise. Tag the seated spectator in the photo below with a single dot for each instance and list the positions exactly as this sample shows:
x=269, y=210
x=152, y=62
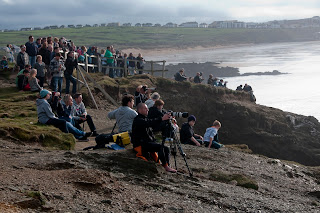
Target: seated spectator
x=132, y=64
x=124, y=115
x=27, y=67
x=198, y=78
x=210, y=138
x=150, y=102
x=210, y=80
x=57, y=69
x=140, y=63
x=46, y=116
x=23, y=83
x=33, y=81
x=4, y=63
x=22, y=57
x=143, y=139
x=41, y=70
x=239, y=88
x=80, y=114
x=215, y=82
x=247, y=88
x=71, y=64
x=140, y=94
x=221, y=84
x=179, y=76
x=66, y=112
x=187, y=135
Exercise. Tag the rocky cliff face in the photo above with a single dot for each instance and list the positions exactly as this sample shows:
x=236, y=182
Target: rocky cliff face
x=266, y=130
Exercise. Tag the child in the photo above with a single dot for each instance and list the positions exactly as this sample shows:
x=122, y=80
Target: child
x=4, y=63
x=33, y=81
x=210, y=138
x=41, y=70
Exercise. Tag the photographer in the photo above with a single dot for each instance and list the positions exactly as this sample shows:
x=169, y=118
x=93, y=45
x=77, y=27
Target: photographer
x=124, y=115
x=80, y=114
x=140, y=94
x=157, y=112
x=187, y=135
x=143, y=139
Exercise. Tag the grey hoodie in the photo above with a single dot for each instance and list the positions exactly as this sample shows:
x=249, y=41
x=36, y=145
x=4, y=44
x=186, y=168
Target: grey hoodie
x=44, y=111
x=124, y=116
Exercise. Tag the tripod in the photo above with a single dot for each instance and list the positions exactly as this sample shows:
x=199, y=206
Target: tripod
x=174, y=141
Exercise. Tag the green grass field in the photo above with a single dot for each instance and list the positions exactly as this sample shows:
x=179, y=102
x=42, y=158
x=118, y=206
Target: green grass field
x=158, y=37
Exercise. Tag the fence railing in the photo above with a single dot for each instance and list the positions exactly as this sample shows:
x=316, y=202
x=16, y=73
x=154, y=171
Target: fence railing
x=125, y=68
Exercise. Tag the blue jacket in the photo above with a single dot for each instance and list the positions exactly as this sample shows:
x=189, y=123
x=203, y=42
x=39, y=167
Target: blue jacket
x=32, y=48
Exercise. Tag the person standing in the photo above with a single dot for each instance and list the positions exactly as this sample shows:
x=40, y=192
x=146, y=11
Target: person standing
x=32, y=50
x=41, y=70
x=70, y=64
x=140, y=63
x=23, y=57
x=110, y=61
x=57, y=68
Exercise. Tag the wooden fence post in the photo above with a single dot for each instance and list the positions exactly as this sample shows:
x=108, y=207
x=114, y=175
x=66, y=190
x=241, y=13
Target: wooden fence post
x=163, y=68
x=125, y=67
x=86, y=63
x=99, y=63
x=152, y=68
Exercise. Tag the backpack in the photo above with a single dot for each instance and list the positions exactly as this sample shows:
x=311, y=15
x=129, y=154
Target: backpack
x=101, y=141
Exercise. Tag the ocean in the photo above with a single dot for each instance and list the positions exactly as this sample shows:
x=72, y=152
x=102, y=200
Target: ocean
x=297, y=91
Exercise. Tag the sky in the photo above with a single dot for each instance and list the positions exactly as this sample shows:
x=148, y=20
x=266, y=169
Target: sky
x=15, y=14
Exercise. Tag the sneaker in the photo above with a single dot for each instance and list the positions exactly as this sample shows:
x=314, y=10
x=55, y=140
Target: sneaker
x=88, y=134
x=83, y=139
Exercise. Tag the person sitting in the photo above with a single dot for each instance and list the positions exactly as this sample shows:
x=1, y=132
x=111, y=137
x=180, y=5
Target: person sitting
x=80, y=114
x=150, y=102
x=71, y=64
x=198, y=79
x=46, y=116
x=179, y=76
x=4, y=63
x=41, y=70
x=247, y=88
x=221, y=84
x=33, y=81
x=23, y=83
x=143, y=139
x=125, y=114
x=210, y=138
x=140, y=94
x=210, y=80
x=239, y=88
x=156, y=111
x=66, y=110
x=187, y=135
x=27, y=67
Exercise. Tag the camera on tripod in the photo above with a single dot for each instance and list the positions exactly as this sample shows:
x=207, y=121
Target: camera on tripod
x=179, y=114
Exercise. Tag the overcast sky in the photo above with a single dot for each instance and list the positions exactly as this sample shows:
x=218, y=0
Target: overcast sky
x=32, y=13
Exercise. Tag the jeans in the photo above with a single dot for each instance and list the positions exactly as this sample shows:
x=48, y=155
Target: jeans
x=65, y=127
x=111, y=71
x=76, y=132
x=32, y=60
x=73, y=81
x=57, y=84
x=41, y=81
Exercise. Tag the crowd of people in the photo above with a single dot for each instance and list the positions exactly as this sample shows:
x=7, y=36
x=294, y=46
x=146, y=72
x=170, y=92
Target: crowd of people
x=149, y=119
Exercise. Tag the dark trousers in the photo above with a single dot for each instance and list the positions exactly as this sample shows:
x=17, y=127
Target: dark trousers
x=89, y=122
x=59, y=123
x=41, y=81
x=163, y=151
x=73, y=80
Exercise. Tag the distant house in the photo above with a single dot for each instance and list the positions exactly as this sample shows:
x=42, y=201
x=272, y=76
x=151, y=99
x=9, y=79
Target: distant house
x=95, y=25
x=137, y=25
x=103, y=25
x=228, y=24
x=114, y=24
x=147, y=25
x=203, y=25
x=46, y=28
x=170, y=24
x=37, y=28
x=189, y=25
x=126, y=25
x=62, y=26
x=157, y=25
x=79, y=26
x=71, y=26
x=26, y=29
x=87, y=25
x=54, y=27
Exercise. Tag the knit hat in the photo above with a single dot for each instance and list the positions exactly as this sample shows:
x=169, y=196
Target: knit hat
x=44, y=93
x=191, y=118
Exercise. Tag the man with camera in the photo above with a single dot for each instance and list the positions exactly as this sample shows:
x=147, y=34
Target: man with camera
x=143, y=139
x=187, y=135
x=124, y=115
x=157, y=112
x=140, y=94
x=80, y=114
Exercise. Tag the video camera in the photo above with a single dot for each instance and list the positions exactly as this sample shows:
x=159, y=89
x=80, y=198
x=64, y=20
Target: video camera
x=146, y=88
x=179, y=114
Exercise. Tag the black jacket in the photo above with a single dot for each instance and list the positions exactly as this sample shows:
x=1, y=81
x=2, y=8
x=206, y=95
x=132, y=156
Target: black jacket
x=186, y=133
x=142, y=130
x=154, y=112
x=22, y=81
x=70, y=65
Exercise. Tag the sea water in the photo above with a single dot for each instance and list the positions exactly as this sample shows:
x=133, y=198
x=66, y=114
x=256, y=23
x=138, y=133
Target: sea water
x=297, y=91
